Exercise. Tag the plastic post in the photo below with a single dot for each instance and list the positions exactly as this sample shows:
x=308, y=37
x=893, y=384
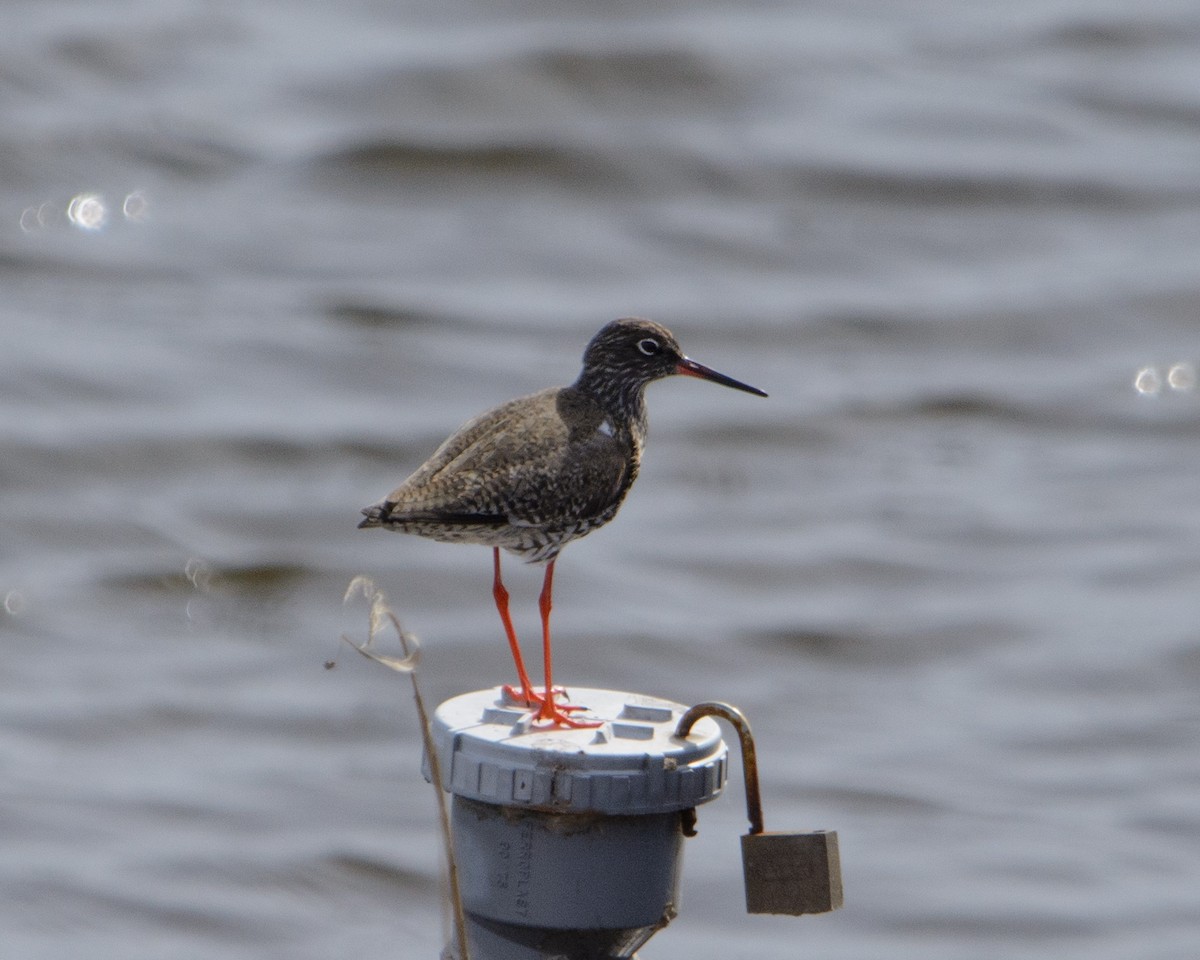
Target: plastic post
x=568, y=842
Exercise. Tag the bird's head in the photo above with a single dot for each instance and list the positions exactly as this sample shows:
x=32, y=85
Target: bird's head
x=627, y=354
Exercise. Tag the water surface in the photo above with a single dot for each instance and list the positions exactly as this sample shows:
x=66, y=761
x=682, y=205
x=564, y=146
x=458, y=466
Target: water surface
x=948, y=569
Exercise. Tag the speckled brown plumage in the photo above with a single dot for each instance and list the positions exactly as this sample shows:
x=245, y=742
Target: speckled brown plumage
x=529, y=477
x=535, y=473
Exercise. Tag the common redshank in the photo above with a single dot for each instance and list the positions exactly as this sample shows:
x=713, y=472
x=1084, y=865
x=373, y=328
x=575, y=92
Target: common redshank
x=540, y=471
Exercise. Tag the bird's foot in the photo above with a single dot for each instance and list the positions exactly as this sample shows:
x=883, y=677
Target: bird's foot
x=550, y=712
x=529, y=697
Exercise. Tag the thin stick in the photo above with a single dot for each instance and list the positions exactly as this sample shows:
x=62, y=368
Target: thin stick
x=381, y=613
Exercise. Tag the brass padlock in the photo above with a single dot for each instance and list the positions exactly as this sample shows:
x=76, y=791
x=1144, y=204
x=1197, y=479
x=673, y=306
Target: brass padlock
x=791, y=873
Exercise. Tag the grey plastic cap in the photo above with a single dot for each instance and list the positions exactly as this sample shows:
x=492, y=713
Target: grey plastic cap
x=490, y=751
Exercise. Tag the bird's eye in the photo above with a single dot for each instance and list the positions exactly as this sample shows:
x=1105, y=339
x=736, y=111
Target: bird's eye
x=649, y=346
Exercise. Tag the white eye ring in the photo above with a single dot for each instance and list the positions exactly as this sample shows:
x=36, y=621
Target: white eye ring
x=649, y=346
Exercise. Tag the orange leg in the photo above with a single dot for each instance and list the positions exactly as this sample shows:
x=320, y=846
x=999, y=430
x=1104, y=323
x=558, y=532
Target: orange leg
x=550, y=712
x=526, y=695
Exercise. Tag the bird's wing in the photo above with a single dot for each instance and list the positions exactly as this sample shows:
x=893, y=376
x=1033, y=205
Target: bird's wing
x=467, y=477
x=518, y=463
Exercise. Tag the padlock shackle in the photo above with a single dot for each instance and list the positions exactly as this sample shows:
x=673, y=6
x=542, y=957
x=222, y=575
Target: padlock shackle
x=749, y=755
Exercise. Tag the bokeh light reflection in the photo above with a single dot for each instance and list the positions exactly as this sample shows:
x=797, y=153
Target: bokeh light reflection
x=35, y=218
x=1179, y=377
x=1147, y=382
x=136, y=206
x=14, y=603
x=87, y=211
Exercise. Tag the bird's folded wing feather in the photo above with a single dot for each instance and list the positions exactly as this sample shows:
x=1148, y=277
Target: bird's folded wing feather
x=497, y=468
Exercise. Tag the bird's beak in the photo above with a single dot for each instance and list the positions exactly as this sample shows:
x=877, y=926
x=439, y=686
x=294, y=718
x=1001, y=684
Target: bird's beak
x=690, y=368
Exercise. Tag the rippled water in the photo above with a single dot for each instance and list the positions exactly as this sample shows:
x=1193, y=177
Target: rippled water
x=257, y=261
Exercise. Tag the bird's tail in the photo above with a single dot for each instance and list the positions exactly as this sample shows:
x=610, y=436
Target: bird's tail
x=374, y=515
